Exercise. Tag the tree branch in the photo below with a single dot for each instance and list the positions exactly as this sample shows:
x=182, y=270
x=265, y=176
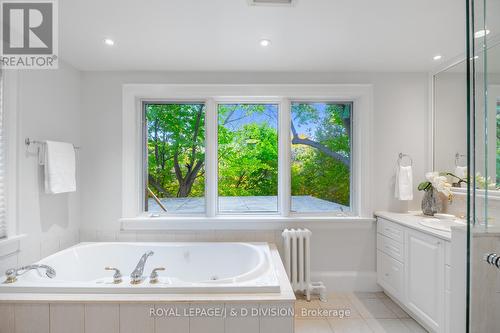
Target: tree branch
x=177, y=168
x=296, y=140
x=195, y=135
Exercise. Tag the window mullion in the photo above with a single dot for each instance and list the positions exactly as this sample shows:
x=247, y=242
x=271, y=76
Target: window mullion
x=284, y=150
x=211, y=158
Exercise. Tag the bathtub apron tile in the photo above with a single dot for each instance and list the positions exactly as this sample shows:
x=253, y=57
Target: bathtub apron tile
x=136, y=318
x=206, y=324
x=272, y=320
x=102, y=318
x=170, y=318
x=240, y=318
x=6, y=318
x=31, y=318
x=67, y=318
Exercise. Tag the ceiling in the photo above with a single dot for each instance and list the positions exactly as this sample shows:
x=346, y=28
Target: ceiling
x=224, y=35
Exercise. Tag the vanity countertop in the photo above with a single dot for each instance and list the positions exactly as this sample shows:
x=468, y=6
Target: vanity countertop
x=412, y=220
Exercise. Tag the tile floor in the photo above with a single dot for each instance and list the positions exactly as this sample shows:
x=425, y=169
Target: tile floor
x=369, y=312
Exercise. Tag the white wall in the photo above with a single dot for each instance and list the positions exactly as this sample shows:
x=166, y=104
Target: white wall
x=48, y=107
x=343, y=256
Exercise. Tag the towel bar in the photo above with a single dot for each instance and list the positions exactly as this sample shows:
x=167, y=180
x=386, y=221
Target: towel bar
x=28, y=142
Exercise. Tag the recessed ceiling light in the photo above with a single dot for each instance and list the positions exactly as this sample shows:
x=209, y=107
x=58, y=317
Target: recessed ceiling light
x=265, y=42
x=481, y=33
x=437, y=57
x=109, y=41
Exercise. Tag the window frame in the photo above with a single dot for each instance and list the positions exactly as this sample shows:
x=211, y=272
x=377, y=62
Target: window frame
x=10, y=82
x=145, y=156
x=351, y=158
x=134, y=95
x=249, y=100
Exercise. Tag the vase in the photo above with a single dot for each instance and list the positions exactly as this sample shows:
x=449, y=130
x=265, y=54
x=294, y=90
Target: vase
x=429, y=203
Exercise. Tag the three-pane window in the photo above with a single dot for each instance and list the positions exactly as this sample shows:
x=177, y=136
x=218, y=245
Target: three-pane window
x=248, y=177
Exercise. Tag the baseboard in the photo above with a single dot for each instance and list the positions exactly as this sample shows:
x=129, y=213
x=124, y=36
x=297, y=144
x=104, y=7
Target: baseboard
x=347, y=281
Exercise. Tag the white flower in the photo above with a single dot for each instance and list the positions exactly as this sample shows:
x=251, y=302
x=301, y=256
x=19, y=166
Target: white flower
x=430, y=176
x=439, y=183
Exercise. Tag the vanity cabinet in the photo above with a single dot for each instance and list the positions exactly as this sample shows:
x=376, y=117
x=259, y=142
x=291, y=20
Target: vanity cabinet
x=424, y=278
x=412, y=268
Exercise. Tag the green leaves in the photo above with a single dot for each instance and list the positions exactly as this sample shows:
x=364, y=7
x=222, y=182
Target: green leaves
x=248, y=150
x=248, y=160
x=424, y=186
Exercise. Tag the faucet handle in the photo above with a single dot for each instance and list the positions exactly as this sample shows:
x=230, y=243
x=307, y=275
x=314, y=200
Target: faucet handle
x=117, y=277
x=11, y=275
x=153, y=277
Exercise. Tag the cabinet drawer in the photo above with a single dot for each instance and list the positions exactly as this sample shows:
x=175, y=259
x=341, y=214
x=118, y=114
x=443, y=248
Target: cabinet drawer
x=390, y=275
x=391, y=230
x=390, y=247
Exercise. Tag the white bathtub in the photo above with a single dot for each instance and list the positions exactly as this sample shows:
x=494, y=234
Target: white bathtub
x=190, y=268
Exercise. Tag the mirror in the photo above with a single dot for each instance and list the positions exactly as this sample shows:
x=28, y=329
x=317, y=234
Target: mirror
x=450, y=123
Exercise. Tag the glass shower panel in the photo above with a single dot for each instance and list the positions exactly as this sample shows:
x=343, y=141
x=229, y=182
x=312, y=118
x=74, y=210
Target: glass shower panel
x=484, y=146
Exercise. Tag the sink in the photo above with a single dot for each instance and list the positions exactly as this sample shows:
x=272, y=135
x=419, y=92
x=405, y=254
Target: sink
x=442, y=225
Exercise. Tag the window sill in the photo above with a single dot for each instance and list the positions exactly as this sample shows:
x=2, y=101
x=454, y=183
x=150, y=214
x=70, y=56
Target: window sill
x=243, y=222
x=10, y=245
x=492, y=194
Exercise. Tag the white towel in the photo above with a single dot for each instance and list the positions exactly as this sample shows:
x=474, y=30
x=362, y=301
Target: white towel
x=404, y=183
x=60, y=167
x=461, y=172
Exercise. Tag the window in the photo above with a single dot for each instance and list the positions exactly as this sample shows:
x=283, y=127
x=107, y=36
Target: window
x=271, y=153
x=3, y=213
x=248, y=158
x=321, y=157
x=175, y=151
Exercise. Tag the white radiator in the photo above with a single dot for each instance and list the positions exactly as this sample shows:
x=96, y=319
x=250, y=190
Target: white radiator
x=297, y=253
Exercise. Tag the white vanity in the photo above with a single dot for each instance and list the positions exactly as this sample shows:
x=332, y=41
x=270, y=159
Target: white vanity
x=414, y=267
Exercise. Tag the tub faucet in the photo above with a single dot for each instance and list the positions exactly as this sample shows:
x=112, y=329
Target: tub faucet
x=136, y=276
x=13, y=273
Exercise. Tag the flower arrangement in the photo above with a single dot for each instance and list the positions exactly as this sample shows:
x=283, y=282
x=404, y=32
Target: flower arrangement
x=436, y=181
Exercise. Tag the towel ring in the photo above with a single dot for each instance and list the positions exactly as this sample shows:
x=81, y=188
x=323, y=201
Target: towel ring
x=402, y=156
x=457, y=158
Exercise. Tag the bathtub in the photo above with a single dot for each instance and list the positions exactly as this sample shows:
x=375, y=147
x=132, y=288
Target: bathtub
x=189, y=268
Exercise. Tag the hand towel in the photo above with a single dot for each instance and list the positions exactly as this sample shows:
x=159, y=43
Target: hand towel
x=461, y=172
x=60, y=167
x=404, y=183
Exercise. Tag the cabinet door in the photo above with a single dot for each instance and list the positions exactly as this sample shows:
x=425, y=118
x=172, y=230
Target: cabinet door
x=390, y=275
x=425, y=278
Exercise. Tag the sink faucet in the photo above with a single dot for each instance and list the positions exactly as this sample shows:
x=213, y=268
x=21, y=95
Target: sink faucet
x=136, y=276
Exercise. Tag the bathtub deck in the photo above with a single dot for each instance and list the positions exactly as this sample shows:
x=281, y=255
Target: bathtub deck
x=286, y=294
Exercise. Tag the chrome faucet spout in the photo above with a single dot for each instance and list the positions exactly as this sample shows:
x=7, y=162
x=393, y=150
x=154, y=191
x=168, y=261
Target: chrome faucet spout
x=136, y=276
x=13, y=273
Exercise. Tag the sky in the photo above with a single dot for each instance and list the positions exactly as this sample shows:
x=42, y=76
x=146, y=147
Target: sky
x=270, y=116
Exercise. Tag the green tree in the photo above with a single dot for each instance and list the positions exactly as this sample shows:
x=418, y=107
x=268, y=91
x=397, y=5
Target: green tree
x=176, y=152
x=248, y=150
